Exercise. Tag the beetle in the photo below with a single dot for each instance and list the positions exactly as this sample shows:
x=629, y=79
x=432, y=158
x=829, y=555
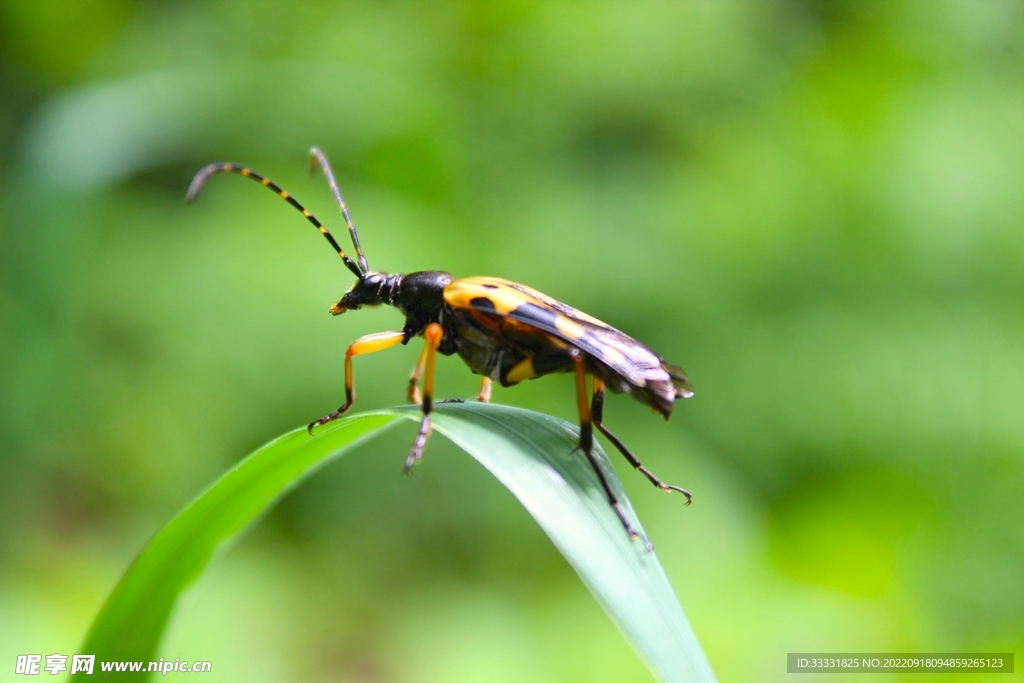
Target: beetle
x=504, y=331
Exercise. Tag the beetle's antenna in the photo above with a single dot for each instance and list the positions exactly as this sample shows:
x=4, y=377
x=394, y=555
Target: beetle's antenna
x=316, y=155
x=207, y=171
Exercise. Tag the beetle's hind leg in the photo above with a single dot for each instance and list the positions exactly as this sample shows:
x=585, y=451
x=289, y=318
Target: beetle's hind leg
x=433, y=335
x=597, y=415
x=587, y=446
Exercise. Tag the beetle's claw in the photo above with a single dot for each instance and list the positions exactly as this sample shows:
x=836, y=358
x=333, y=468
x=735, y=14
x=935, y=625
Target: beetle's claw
x=669, y=488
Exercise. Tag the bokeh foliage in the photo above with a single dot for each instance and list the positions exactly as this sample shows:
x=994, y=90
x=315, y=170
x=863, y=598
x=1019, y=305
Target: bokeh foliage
x=813, y=207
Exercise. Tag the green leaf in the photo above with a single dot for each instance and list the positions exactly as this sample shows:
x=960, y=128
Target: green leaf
x=131, y=622
x=527, y=451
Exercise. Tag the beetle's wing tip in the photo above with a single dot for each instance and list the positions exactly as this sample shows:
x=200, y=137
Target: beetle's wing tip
x=679, y=380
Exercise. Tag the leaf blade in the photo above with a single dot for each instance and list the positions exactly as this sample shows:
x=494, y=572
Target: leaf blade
x=132, y=620
x=527, y=451
x=564, y=496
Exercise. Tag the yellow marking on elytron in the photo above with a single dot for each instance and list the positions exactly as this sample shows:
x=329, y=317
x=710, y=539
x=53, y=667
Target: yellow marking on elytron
x=522, y=370
x=570, y=328
x=523, y=293
x=460, y=292
x=246, y=172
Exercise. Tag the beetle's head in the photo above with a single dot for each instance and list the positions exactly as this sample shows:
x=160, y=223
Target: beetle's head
x=370, y=290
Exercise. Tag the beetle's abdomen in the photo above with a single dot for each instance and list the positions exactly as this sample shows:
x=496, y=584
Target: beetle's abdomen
x=485, y=352
x=495, y=347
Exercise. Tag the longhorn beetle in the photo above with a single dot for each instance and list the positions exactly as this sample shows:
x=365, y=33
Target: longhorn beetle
x=504, y=331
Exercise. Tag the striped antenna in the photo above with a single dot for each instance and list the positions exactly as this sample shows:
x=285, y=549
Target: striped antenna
x=207, y=171
x=316, y=155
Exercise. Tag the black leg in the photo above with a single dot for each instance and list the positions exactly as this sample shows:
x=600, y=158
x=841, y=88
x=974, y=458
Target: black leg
x=597, y=413
x=586, y=445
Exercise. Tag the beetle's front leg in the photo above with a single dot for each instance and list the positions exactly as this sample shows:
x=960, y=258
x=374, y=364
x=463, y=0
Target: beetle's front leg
x=433, y=334
x=368, y=344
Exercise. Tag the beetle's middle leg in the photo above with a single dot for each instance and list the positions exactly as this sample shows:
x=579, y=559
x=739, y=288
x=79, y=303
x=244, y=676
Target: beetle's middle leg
x=485, y=390
x=597, y=413
x=368, y=344
x=413, y=392
x=433, y=335
x=587, y=444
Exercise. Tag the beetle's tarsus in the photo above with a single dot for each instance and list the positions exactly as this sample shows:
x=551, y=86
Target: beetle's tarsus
x=635, y=462
x=418, y=446
x=669, y=488
x=328, y=418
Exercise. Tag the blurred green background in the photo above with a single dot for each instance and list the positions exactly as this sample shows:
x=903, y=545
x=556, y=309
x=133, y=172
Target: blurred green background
x=814, y=207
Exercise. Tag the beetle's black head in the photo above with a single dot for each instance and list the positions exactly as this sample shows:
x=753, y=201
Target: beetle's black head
x=372, y=289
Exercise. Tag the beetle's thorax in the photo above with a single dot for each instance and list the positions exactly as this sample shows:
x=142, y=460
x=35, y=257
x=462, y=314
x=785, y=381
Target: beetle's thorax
x=419, y=290
x=389, y=287
x=420, y=297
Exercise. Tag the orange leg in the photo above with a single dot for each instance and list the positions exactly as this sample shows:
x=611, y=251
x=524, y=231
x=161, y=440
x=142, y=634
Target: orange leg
x=485, y=390
x=433, y=335
x=597, y=414
x=587, y=444
x=413, y=392
x=367, y=344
